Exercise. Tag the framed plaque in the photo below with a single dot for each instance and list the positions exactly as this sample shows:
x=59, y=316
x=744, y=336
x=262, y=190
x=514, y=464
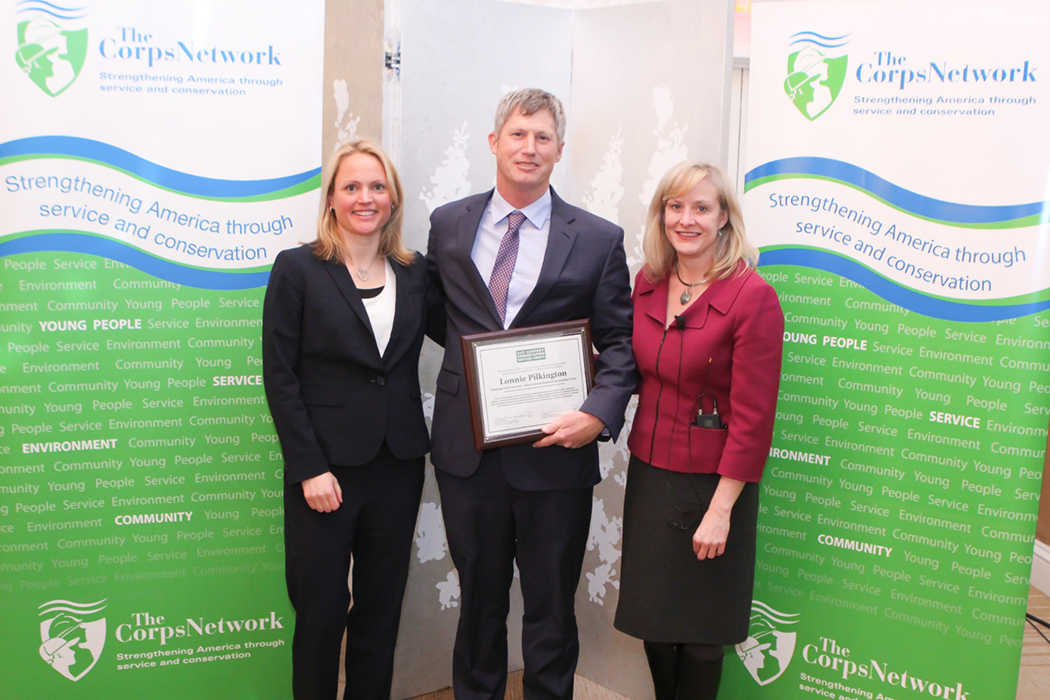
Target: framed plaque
x=522, y=379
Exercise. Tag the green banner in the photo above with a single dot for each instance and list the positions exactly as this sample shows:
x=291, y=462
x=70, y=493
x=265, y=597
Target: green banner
x=142, y=510
x=900, y=498
x=155, y=159
x=899, y=502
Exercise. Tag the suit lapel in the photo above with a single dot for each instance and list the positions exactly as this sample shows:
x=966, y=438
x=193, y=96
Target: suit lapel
x=720, y=296
x=560, y=240
x=653, y=299
x=341, y=276
x=465, y=235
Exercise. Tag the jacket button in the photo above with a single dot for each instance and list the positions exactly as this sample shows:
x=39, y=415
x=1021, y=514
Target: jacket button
x=380, y=381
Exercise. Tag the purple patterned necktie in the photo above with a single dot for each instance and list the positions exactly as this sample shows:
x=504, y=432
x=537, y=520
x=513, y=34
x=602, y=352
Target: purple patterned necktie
x=503, y=268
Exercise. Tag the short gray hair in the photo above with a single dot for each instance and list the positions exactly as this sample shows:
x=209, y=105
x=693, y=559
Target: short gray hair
x=527, y=102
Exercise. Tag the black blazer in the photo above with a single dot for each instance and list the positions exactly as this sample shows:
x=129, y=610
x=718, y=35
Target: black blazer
x=584, y=276
x=334, y=400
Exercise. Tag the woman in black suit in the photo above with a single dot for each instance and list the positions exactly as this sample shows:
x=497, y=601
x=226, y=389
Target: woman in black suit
x=343, y=324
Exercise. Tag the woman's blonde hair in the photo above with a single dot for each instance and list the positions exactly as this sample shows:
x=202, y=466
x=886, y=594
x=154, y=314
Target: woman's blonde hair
x=329, y=244
x=732, y=244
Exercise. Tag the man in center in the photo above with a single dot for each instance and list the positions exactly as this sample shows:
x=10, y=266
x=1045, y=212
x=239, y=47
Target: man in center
x=515, y=257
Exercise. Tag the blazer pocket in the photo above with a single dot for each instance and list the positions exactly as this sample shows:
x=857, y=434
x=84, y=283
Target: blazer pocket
x=448, y=382
x=323, y=395
x=570, y=288
x=705, y=448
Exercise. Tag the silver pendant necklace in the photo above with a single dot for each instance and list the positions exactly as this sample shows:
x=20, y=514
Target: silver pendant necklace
x=362, y=274
x=687, y=293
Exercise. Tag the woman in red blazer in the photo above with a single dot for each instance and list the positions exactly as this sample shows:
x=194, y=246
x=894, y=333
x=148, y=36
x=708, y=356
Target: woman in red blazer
x=343, y=324
x=708, y=335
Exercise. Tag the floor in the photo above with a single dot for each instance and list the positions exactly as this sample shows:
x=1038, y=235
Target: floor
x=1033, y=681
x=585, y=690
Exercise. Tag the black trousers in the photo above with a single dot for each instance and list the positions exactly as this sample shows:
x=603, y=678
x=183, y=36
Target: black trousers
x=375, y=523
x=489, y=524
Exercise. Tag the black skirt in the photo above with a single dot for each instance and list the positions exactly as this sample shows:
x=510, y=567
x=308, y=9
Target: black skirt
x=666, y=594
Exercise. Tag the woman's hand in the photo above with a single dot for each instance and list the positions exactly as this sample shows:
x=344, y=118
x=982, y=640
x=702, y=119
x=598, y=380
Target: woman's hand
x=323, y=493
x=709, y=541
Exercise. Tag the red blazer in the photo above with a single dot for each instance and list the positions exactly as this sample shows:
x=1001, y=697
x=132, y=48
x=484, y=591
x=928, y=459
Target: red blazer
x=727, y=344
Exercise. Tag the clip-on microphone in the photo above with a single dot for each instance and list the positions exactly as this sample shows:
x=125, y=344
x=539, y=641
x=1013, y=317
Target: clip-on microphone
x=712, y=419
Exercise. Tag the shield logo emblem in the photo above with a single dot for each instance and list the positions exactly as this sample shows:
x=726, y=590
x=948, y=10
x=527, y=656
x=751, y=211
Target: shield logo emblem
x=72, y=636
x=816, y=72
x=768, y=649
x=49, y=53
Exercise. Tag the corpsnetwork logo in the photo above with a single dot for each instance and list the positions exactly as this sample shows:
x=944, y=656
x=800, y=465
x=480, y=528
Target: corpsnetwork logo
x=72, y=636
x=768, y=649
x=51, y=45
x=816, y=70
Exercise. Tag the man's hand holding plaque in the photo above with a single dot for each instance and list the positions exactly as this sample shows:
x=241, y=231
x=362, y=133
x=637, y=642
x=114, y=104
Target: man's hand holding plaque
x=571, y=430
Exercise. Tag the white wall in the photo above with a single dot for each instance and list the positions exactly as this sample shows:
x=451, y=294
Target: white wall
x=646, y=85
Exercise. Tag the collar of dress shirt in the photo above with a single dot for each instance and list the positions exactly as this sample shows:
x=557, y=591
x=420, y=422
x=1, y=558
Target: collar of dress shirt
x=537, y=213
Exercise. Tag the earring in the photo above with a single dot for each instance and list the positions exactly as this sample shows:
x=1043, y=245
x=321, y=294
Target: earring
x=719, y=233
x=332, y=211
